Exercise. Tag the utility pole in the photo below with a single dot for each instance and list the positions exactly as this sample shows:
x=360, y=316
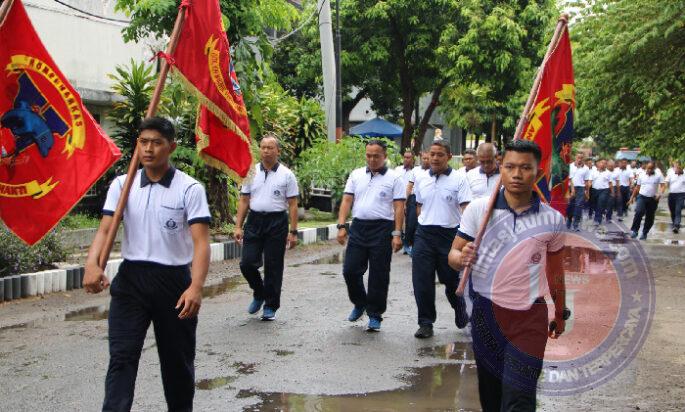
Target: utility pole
x=338, y=76
x=327, y=65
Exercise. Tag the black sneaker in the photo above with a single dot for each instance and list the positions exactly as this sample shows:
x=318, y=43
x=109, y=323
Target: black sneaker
x=676, y=230
x=424, y=332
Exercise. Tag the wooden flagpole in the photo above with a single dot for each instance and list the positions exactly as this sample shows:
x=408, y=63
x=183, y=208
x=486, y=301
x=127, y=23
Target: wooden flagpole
x=4, y=9
x=133, y=166
x=561, y=25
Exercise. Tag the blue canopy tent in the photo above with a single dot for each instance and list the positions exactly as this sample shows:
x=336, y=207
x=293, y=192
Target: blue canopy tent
x=377, y=128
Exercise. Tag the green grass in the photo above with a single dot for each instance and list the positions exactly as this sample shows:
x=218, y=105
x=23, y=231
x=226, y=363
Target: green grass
x=308, y=224
x=80, y=221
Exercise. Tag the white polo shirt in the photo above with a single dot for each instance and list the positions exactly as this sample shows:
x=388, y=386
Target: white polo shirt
x=441, y=197
x=158, y=216
x=416, y=174
x=615, y=176
x=481, y=184
x=405, y=174
x=374, y=193
x=270, y=190
x=600, y=180
x=649, y=184
x=676, y=183
x=579, y=175
x=510, y=270
x=624, y=176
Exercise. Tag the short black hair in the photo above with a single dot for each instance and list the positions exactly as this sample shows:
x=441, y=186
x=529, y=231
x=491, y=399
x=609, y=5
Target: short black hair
x=443, y=144
x=524, y=146
x=378, y=142
x=469, y=151
x=160, y=124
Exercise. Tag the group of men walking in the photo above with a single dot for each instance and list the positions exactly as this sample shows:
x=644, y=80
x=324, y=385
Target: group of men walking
x=603, y=187
x=166, y=254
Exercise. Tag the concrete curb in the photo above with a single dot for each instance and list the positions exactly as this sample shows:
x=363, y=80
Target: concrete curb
x=60, y=280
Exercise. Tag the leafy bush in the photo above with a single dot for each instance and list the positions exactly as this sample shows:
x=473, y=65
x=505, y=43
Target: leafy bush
x=327, y=164
x=80, y=221
x=16, y=257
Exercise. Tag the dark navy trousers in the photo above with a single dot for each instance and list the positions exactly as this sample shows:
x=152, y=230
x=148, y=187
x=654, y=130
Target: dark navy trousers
x=644, y=207
x=623, y=203
x=508, y=347
x=675, y=206
x=601, y=204
x=432, y=244
x=264, y=240
x=144, y=293
x=369, y=246
x=574, y=210
x=411, y=221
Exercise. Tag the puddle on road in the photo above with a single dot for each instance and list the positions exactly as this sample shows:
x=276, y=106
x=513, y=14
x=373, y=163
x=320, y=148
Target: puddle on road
x=92, y=313
x=280, y=352
x=101, y=312
x=451, y=387
x=667, y=242
x=338, y=258
x=227, y=284
x=214, y=383
x=328, y=273
x=451, y=351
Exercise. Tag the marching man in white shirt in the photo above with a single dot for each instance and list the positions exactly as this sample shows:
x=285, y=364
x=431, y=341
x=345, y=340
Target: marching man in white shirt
x=625, y=182
x=648, y=191
x=406, y=170
x=411, y=221
x=579, y=192
x=483, y=179
x=441, y=196
x=603, y=186
x=676, y=194
x=271, y=198
x=166, y=228
x=376, y=197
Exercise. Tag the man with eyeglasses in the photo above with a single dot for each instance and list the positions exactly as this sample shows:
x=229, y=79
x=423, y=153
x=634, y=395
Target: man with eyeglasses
x=376, y=196
x=166, y=228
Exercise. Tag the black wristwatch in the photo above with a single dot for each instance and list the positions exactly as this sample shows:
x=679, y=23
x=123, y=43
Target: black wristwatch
x=342, y=226
x=293, y=232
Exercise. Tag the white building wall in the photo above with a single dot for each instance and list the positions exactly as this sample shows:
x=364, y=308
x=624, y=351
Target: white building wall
x=85, y=48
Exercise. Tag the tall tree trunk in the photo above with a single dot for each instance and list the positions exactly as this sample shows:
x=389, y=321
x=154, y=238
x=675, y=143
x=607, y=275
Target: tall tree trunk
x=493, y=130
x=423, y=126
x=464, y=134
x=477, y=141
x=406, y=82
x=217, y=197
x=349, y=105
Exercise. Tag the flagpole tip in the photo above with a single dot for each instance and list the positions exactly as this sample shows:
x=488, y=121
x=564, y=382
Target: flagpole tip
x=564, y=17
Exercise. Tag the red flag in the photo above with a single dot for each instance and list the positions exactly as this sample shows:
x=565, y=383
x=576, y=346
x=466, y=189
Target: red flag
x=202, y=59
x=550, y=123
x=52, y=149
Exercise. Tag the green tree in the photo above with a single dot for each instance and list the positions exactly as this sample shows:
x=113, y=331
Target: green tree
x=630, y=71
x=493, y=62
x=135, y=84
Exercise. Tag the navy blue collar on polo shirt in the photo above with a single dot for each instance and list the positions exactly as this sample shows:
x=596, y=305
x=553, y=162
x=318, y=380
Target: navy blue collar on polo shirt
x=382, y=170
x=273, y=168
x=445, y=173
x=164, y=181
x=501, y=203
x=495, y=172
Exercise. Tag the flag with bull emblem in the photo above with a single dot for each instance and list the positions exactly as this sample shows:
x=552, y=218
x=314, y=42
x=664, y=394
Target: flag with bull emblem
x=202, y=59
x=52, y=151
x=550, y=123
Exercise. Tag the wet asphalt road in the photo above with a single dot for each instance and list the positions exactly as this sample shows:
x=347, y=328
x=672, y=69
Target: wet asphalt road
x=310, y=358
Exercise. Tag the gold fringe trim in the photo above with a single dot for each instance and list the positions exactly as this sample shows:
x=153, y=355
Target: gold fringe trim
x=203, y=143
x=212, y=107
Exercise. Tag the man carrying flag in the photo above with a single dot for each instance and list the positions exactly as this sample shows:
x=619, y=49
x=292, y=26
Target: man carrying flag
x=521, y=235
x=51, y=149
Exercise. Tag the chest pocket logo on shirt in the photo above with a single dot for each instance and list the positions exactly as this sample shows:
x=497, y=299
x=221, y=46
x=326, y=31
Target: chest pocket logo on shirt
x=384, y=191
x=278, y=191
x=171, y=220
x=450, y=195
